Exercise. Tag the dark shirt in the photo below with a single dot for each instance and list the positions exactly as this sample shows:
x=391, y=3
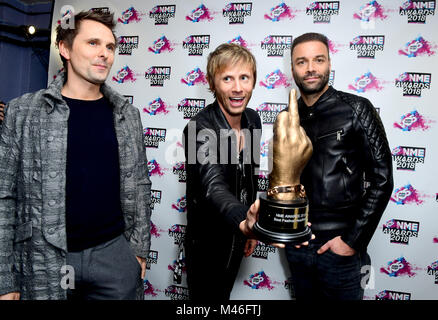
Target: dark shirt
x=93, y=209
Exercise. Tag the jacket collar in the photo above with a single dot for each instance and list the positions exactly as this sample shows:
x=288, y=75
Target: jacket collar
x=222, y=121
x=324, y=97
x=53, y=95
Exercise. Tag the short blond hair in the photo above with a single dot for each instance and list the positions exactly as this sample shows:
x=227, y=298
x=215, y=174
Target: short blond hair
x=228, y=54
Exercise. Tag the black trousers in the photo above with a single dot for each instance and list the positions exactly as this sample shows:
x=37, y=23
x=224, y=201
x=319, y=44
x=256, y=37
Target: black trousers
x=109, y=271
x=211, y=269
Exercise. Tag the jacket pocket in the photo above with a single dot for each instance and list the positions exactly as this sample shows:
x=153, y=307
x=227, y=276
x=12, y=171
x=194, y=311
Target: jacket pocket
x=338, y=133
x=23, y=232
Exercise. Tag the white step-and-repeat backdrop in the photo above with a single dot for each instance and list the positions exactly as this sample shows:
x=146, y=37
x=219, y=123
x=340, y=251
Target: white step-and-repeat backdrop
x=384, y=50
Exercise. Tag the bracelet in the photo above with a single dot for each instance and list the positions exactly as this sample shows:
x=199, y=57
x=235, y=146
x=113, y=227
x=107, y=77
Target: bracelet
x=299, y=189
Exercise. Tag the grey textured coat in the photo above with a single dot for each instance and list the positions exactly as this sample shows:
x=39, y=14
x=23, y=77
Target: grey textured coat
x=33, y=150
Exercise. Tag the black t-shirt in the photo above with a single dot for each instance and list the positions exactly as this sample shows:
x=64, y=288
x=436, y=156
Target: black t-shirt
x=93, y=209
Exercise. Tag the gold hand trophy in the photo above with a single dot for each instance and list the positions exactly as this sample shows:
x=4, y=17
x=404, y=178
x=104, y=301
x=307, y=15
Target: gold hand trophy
x=283, y=214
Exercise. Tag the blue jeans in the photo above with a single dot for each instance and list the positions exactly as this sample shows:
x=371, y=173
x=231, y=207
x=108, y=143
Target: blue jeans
x=326, y=276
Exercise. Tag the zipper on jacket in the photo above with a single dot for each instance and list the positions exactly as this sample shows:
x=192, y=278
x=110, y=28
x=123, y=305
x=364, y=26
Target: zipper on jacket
x=338, y=134
x=344, y=159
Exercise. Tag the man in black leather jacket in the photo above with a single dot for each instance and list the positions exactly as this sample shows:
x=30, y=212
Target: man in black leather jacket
x=348, y=179
x=222, y=149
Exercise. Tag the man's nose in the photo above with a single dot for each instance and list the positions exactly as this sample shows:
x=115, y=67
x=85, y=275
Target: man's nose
x=237, y=86
x=310, y=67
x=103, y=52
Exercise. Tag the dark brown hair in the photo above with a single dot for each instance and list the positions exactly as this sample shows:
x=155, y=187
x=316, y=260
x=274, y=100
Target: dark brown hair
x=67, y=35
x=310, y=36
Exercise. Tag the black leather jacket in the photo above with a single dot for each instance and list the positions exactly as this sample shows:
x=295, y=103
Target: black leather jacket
x=348, y=179
x=214, y=207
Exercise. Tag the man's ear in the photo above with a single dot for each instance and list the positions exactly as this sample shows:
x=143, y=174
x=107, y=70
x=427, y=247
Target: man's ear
x=64, y=50
x=210, y=83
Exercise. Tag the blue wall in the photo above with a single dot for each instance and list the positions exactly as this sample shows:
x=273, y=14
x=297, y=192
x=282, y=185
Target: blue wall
x=21, y=68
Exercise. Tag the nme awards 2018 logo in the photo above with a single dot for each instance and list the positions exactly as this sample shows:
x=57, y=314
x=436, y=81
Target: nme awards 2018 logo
x=160, y=45
x=417, y=47
x=237, y=11
x=149, y=289
x=157, y=75
x=190, y=107
x=258, y=281
x=196, y=44
x=366, y=46
x=201, y=13
x=180, y=205
x=413, y=82
x=366, y=82
x=399, y=268
x=323, y=10
x=276, y=44
x=406, y=195
x=268, y=111
x=161, y=14
x=155, y=197
x=400, y=230
x=156, y=231
x=130, y=15
x=417, y=11
x=180, y=169
x=280, y=12
x=432, y=270
x=157, y=106
x=331, y=78
x=370, y=12
x=275, y=79
x=262, y=250
x=406, y=158
x=177, y=292
x=154, y=168
x=178, y=233
x=126, y=44
x=151, y=259
x=393, y=295
x=413, y=121
x=239, y=41
x=153, y=137
x=194, y=77
x=262, y=181
x=125, y=74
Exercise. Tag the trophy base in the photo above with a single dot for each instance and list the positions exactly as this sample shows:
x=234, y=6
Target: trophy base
x=278, y=237
x=283, y=221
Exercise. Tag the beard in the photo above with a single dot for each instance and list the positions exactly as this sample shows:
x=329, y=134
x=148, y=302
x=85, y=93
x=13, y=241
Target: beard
x=314, y=88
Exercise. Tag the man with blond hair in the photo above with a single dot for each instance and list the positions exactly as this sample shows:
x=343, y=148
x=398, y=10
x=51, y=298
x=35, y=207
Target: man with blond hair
x=222, y=149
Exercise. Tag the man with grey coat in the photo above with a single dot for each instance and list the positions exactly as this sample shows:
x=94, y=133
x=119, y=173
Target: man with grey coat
x=74, y=186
